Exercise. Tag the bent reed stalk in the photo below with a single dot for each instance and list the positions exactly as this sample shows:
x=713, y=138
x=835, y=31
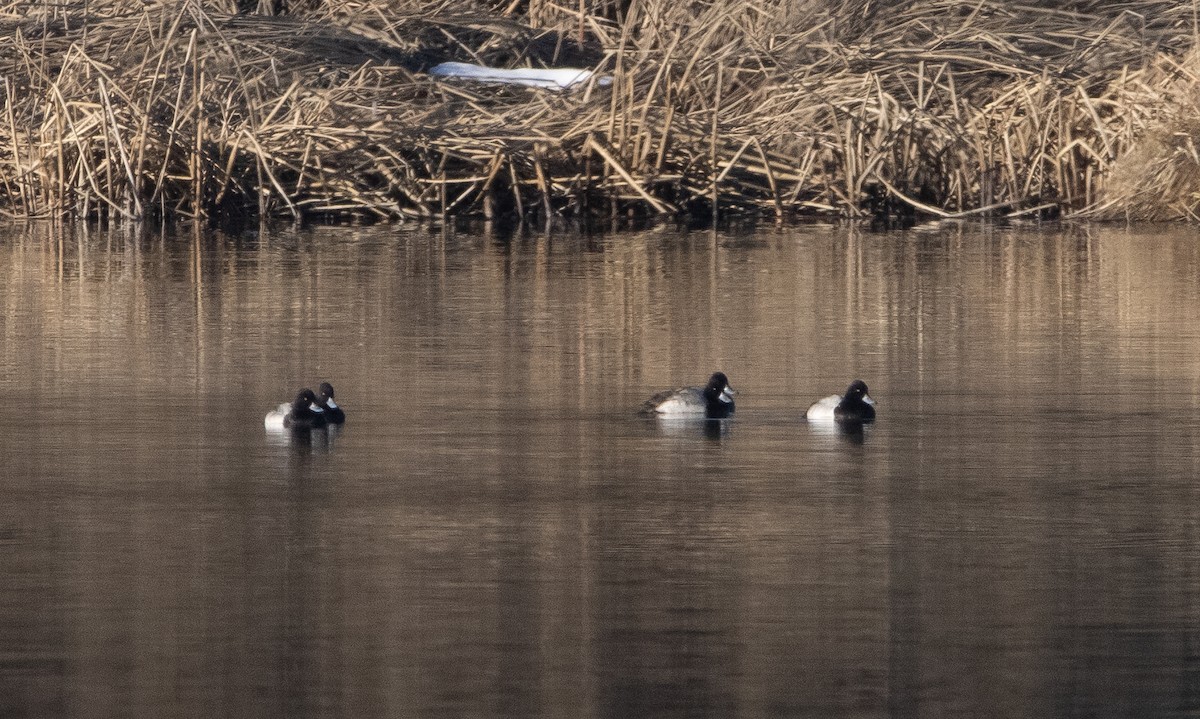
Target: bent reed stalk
x=784, y=107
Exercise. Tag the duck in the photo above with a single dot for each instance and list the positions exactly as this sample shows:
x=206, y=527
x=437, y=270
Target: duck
x=333, y=413
x=712, y=401
x=854, y=406
x=302, y=413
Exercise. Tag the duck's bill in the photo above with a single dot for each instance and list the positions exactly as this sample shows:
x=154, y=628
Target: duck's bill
x=316, y=408
x=727, y=394
x=331, y=404
x=868, y=400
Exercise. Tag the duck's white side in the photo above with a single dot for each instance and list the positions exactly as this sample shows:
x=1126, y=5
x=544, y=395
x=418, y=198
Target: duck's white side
x=823, y=409
x=274, y=418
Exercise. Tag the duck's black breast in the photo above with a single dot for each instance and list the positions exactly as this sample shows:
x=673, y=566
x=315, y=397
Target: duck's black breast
x=854, y=410
x=718, y=408
x=303, y=419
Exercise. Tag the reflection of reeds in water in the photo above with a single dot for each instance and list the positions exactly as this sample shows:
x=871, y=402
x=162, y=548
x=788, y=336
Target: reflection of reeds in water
x=577, y=323
x=798, y=107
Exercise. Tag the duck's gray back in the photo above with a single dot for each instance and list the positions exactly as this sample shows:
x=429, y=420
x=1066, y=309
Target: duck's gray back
x=684, y=400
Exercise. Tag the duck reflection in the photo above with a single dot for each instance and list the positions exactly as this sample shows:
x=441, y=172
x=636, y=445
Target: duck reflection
x=854, y=433
x=305, y=442
x=710, y=429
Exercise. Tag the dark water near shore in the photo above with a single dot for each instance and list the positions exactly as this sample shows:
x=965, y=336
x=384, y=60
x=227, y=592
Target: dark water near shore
x=495, y=533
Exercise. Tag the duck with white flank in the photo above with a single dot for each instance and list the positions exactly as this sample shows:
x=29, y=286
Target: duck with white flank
x=854, y=406
x=302, y=413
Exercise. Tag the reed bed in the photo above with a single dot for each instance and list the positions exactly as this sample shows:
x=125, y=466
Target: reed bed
x=781, y=107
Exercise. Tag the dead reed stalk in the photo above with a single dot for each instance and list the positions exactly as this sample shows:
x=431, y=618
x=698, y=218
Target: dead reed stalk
x=788, y=107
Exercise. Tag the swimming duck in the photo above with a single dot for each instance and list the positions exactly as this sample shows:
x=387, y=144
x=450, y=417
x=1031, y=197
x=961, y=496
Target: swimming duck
x=854, y=406
x=333, y=413
x=303, y=413
x=712, y=401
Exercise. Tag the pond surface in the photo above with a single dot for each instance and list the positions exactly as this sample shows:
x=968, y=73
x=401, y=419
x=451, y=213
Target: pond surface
x=495, y=532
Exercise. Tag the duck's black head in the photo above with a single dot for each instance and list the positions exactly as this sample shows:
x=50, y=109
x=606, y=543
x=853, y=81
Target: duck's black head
x=717, y=383
x=857, y=388
x=305, y=413
x=856, y=404
x=333, y=413
x=304, y=401
x=307, y=408
x=718, y=396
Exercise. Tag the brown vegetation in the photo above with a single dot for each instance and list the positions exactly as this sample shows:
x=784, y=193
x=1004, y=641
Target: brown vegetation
x=321, y=107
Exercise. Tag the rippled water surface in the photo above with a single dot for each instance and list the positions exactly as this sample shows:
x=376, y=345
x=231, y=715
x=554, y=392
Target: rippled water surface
x=495, y=533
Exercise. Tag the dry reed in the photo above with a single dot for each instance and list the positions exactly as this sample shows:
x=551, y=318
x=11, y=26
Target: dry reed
x=784, y=107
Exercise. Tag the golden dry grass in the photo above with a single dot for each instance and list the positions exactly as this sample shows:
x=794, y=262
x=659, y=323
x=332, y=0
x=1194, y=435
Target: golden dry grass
x=781, y=107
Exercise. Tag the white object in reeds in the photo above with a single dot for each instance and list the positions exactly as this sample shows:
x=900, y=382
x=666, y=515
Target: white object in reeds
x=552, y=79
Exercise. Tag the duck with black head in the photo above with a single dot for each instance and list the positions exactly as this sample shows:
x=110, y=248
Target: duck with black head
x=333, y=413
x=854, y=406
x=303, y=413
x=712, y=401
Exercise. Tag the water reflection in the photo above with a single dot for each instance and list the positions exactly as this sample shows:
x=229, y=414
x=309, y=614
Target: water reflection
x=714, y=429
x=306, y=441
x=850, y=432
x=498, y=533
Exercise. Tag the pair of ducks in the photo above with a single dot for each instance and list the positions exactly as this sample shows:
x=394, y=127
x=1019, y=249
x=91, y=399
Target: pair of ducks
x=715, y=401
x=307, y=411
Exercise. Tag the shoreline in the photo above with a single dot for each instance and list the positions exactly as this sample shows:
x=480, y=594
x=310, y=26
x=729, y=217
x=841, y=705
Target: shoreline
x=894, y=115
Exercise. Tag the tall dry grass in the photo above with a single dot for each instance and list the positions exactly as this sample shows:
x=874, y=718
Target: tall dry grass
x=781, y=107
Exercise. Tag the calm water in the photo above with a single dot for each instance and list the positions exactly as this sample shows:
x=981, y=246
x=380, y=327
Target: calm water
x=494, y=533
